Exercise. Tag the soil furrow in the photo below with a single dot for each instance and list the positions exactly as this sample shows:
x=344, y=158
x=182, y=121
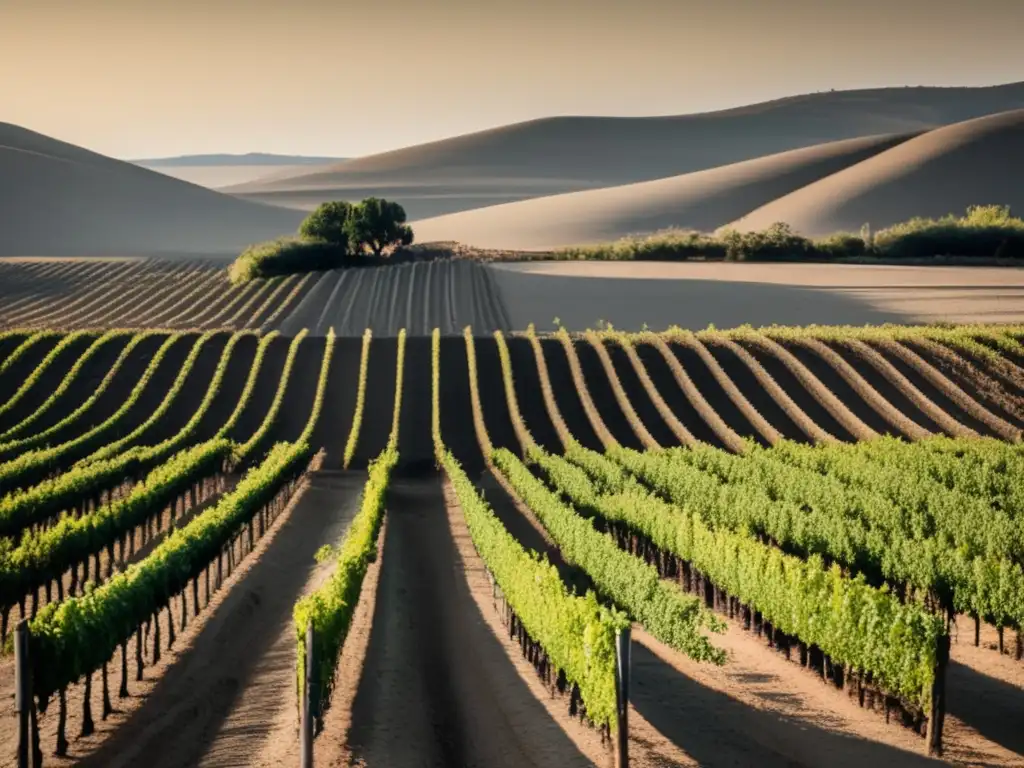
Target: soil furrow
x=643, y=401
x=763, y=393
x=218, y=703
x=434, y=671
x=491, y=384
x=567, y=398
x=380, y=400
x=598, y=387
x=799, y=394
x=526, y=381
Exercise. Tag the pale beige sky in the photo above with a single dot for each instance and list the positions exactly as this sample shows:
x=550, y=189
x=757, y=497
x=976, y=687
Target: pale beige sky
x=143, y=78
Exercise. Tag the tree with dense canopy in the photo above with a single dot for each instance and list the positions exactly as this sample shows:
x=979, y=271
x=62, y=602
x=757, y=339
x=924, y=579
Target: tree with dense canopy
x=329, y=223
x=377, y=225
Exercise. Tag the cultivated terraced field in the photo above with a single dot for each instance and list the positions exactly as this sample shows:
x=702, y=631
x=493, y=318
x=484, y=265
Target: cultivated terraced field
x=195, y=293
x=798, y=523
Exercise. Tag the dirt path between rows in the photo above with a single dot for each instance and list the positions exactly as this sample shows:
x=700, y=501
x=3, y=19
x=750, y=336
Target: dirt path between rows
x=437, y=688
x=228, y=695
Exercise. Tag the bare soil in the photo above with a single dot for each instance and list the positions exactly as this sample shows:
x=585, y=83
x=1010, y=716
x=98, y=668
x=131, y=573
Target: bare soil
x=676, y=399
x=745, y=381
x=693, y=294
x=933, y=393
x=886, y=388
x=970, y=376
x=197, y=384
x=641, y=400
x=437, y=688
x=167, y=371
x=331, y=433
x=298, y=401
x=566, y=396
x=10, y=343
x=415, y=441
x=793, y=387
x=87, y=381
x=456, y=409
x=231, y=388
x=380, y=399
x=266, y=388
x=838, y=386
x=225, y=694
x=526, y=380
x=493, y=398
x=601, y=393
x=124, y=381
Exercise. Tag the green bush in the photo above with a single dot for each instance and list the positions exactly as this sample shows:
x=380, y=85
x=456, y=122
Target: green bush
x=842, y=245
x=284, y=257
x=988, y=231
x=777, y=243
x=329, y=238
x=329, y=223
x=670, y=245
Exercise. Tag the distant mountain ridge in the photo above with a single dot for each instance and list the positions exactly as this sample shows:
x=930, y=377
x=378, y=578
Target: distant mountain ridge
x=249, y=158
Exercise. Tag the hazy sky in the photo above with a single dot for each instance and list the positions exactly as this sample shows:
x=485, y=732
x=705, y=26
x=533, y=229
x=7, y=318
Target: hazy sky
x=138, y=78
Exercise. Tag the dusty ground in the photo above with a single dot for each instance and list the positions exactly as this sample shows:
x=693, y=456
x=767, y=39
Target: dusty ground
x=437, y=688
x=226, y=695
x=693, y=295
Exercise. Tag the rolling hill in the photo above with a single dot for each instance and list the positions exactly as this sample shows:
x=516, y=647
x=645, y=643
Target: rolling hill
x=562, y=154
x=57, y=199
x=939, y=172
x=702, y=200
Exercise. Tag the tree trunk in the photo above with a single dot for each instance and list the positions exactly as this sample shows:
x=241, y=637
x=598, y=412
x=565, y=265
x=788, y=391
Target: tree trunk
x=88, y=726
x=138, y=653
x=107, y=708
x=156, y=637
x=123, y=693
x=62, y=722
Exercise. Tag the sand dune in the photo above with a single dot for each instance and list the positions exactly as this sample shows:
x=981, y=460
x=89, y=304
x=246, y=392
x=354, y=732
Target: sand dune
x=942, y=171
x=549, y=156
x=702, y=200
x=57, y=199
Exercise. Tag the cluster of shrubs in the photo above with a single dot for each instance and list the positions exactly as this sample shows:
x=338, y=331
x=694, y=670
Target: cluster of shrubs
x=988, y=231
x=335, y=235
